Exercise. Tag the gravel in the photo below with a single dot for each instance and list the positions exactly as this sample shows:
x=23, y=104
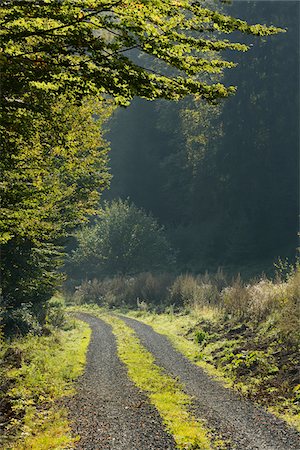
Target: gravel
x=245, y=425
x=109, y=411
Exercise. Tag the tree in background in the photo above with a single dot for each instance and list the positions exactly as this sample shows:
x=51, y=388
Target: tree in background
x=222, y=178
x=53, y=57
x=259, y=154
x=123, y=240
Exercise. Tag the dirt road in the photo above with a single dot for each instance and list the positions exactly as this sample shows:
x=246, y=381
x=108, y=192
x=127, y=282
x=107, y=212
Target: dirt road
x=109, y=412
x=245, y=425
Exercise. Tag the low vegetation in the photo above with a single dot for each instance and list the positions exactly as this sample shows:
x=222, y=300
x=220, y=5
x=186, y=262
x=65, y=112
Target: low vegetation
x=36, y=372
x=248, y=336
x=165, y=393
x=244, y=333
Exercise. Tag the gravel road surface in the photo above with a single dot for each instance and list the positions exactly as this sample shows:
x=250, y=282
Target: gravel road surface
x=108, y=411
x=246, y=426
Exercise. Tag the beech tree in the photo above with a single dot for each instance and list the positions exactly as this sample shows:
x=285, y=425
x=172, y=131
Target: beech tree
x=84, y=47
x=53, y=168
x=56, y=54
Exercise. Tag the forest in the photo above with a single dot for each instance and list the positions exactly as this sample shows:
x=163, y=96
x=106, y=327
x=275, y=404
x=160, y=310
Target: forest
x=222, y=179
x=150, y=173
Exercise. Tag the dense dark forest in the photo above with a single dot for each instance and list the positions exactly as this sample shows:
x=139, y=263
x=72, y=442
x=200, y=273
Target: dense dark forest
x=223, y=179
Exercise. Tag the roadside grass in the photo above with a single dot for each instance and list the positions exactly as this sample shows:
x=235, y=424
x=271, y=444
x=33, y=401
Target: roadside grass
x=234, y=354
x=37, y=372
x=176, y=327
x=164, y=392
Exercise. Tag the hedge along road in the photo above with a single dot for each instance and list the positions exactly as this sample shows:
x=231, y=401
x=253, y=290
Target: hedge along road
x=245, y=425
x=108, y=411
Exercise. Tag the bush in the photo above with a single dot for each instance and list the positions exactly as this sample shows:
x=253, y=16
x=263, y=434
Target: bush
x=124, y=291
x=150, y=288
x=188, y=290
x=95, y=291
x=207, y=294
x=20, y=321
x=183, y=291
x=124, y=240
x=265, y=298
x=236, y=299
x=289, y=318
x=55, y=312
x=276, y=302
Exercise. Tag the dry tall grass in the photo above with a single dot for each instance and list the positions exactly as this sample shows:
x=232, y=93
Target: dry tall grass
x=257, y=301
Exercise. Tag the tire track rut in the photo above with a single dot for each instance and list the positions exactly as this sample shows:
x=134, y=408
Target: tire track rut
x=247, y=426
x=108, y=410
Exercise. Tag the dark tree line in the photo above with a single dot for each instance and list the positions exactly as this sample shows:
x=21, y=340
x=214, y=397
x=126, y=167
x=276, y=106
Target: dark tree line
x=222, y=179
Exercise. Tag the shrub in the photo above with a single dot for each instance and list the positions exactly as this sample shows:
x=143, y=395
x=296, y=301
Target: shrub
x=150, y=288
x=279, y=301
x=124, y=240
x=207, y=294
x=107, y=291
x=20, y=321
x=188, y=290
x=55, y=312
x=183, y=291
x=236, y=299
x=219, y=279
x=264, y=298
x=289, y=318
x=293, y=285
x=124, y=291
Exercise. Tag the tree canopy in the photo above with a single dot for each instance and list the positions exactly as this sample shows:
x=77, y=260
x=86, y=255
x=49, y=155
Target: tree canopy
x=62, y=64
x=86, y=47
x=53, y=168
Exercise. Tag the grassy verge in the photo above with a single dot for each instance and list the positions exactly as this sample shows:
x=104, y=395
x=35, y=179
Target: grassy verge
x=178, y=327
x=252, y=360
x=36, y=372
x=165, y=393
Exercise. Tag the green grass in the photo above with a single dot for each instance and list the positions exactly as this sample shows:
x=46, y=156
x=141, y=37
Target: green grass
x=165, y=393
x=222, y=360
x=176, y=327
x=49, y=366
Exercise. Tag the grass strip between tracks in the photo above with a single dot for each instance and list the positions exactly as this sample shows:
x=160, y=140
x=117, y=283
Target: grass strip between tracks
x=176, y=328
x=165, y=393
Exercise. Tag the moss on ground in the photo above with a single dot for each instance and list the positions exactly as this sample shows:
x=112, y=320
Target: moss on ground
x=37, y=371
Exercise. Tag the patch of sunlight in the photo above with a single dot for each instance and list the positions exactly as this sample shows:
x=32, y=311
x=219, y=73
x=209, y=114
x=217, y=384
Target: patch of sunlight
x=165, y=393
x=50, y=365
x=175, y=328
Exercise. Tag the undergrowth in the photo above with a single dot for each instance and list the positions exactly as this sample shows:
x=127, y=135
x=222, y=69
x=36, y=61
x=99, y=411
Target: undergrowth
x=246, y=334
x=36, y=372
